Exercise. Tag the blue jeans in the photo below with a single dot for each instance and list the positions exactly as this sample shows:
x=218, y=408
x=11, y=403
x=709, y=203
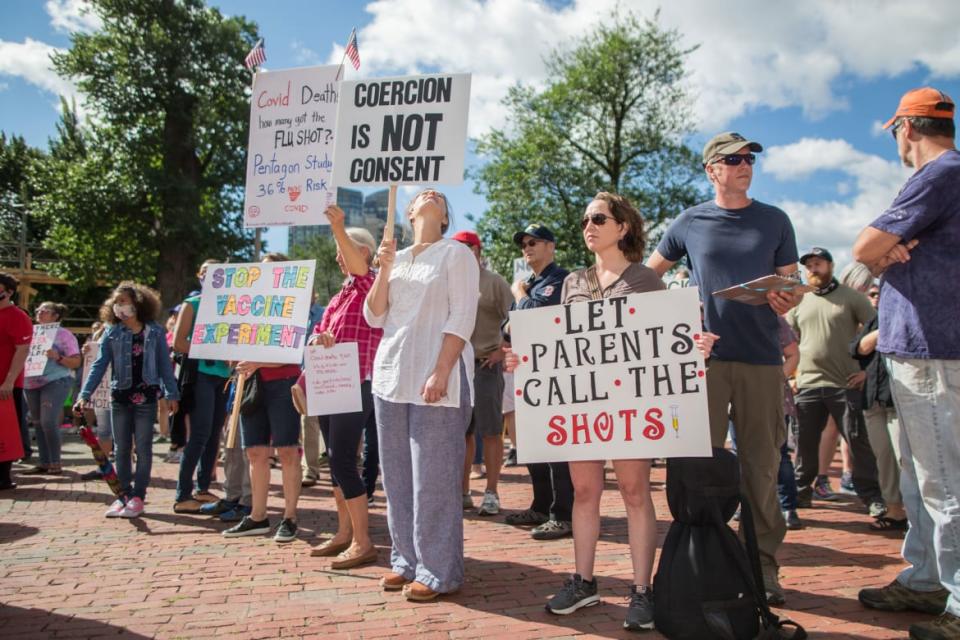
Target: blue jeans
x=134, y=422
x=206, y=422
x=46, y=411
x=927, y=395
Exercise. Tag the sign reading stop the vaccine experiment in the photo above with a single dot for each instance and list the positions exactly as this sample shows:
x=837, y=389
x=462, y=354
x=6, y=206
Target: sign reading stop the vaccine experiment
x=256, y=312
x=410, y=130
x=611, y=379
x=290, y=154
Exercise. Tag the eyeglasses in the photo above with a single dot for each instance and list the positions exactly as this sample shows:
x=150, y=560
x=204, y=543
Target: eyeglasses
x=598, y=219
x=895, y=128
x=528, y=243
x=734, y=159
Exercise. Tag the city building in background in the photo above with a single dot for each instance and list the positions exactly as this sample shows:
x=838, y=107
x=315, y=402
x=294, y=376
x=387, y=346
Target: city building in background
x=369, y=212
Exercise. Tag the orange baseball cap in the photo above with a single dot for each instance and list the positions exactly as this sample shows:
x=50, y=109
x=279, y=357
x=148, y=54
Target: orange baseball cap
x=925, y=103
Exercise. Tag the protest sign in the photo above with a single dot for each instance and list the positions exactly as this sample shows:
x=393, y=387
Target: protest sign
x=43, y=338
x=521, y=270
x=409, y=130
x=611, y=379
x=255, y=312
x=290, y=153
x=333, y=379
x=101, y=395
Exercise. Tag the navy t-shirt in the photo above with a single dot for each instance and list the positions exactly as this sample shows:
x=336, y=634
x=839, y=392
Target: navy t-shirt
x=919, y=307
x=725, y=247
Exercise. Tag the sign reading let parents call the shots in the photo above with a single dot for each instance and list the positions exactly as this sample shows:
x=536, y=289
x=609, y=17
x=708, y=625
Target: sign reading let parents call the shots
x=410, y=130
x=611, y=379
x=293, y=116
x=255, y=311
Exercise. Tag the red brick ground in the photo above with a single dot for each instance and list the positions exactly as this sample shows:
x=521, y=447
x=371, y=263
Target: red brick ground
x=67, y=572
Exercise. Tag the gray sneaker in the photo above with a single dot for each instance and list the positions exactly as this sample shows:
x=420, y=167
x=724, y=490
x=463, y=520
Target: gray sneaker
x=490, y=505
x=552, y=530
x=640, y=609
x=575, y=594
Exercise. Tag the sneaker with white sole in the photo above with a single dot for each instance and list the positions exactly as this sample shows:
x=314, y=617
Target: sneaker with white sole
x=133, y=508
x=248, y=527
x=286, y=532
x=575, y=594
x=115, y=509
x=490, y=505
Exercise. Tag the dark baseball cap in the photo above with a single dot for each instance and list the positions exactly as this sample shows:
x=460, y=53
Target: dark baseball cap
x=727, y=142
x=816, y=252
x=534, y=230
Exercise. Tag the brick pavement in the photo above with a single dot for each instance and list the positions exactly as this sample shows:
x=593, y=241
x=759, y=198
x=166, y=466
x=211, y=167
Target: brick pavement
x=67, y=572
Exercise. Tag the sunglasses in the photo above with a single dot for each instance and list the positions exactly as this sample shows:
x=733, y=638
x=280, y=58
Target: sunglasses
x=734, y=159
x=895, y=128
x=874, y=294
x=528, y=243
x=598, y=219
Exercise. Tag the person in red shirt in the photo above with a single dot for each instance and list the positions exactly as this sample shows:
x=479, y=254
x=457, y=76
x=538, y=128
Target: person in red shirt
x=16, y=332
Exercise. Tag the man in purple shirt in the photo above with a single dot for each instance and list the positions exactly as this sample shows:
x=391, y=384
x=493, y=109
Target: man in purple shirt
x=914, y=245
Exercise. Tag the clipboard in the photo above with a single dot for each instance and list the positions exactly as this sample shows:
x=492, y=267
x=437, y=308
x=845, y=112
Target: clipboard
x=755, y=291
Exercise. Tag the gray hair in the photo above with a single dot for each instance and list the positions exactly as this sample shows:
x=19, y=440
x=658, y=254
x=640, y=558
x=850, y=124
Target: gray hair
x=362, y=238
x=856, y=276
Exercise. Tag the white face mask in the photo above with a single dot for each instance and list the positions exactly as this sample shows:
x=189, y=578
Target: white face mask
x=124, y=311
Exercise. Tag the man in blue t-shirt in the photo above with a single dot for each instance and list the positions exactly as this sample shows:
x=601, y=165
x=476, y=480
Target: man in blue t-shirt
x=914, y=245
x=727, y=241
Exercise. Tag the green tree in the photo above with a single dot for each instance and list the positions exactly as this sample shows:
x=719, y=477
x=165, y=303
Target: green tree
x=612, y=117
x=328, y=277
x=17, y=160
x=151, y=186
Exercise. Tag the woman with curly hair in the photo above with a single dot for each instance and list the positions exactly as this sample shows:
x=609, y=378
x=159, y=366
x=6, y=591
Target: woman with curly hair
x=136, y=348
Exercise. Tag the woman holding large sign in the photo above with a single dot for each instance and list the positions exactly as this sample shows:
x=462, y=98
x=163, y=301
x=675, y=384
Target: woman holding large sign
x=135, y=347
x=613, y=231
x=425, y=299
x=47, y=391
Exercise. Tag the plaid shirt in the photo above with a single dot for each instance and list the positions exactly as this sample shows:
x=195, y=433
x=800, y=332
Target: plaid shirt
x=344, y=319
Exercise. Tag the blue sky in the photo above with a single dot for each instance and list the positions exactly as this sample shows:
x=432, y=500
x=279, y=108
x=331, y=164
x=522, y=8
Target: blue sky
x=810, y=81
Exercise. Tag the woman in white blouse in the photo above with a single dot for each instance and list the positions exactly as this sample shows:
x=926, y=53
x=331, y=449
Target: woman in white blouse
x=425, y=299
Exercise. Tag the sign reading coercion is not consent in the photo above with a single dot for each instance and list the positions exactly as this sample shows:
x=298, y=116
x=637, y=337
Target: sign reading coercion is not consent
x=409, y=130
x=290, y=153
x=610, y=379
x=256, y=311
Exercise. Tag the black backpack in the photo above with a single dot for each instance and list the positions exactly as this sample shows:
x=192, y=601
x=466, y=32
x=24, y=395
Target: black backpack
x=707, y=586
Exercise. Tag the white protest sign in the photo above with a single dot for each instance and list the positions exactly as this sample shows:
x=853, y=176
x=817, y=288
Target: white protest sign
x=100, y=399
x=290, y=153
x=611, y=379
x=409, y=130
x=42, y=341
x=256, y=312
x=333, y=379
x=521, y=270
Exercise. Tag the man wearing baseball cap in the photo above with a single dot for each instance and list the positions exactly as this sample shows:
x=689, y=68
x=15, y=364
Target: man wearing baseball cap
x=829, y=380
x=486, y=425
x=914, y=244
x=727, y=241
x=552, y=509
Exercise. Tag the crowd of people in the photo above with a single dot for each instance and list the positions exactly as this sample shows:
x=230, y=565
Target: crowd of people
x=870, y=355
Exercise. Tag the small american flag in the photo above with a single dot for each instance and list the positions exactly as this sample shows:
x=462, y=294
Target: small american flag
x=257, y=55
x=352, y=51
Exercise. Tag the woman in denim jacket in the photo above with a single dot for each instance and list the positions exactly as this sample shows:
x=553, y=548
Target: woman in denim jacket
x=136, y=348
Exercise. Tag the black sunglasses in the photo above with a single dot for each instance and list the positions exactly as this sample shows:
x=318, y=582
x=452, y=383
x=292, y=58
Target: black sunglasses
x=734, y=159
x=528, y=243
x=874, y=294
x=598, y=219
x=894, y=128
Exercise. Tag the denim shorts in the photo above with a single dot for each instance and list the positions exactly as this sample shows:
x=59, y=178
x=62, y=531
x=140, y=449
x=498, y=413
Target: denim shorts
x=276, y=422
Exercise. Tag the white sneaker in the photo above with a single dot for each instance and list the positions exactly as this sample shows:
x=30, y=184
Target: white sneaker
x=490, y=505
x=133, y=509
x=467, y=502
x=115, y=509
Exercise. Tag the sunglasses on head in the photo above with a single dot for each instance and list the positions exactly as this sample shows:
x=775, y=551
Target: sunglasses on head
x=598, y=219
x=734, y=159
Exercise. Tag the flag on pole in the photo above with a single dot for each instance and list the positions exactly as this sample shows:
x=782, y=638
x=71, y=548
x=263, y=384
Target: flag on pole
x=352, y=51
x=257, y=55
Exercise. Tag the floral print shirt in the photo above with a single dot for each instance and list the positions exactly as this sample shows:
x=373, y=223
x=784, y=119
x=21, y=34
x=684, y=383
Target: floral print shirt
x=139, y=392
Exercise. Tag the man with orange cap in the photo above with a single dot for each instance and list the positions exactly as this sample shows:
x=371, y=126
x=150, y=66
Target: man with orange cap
x=914, y=245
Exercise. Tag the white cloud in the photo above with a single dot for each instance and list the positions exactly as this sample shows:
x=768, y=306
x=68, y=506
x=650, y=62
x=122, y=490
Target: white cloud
x=72, y=15
x=4, y=86
x=30, y=60
x=303, y=54
x=877, y=130
x=834, y=224
x=752, y=53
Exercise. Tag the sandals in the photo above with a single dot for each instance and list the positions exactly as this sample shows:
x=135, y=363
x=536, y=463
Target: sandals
x=883, y=523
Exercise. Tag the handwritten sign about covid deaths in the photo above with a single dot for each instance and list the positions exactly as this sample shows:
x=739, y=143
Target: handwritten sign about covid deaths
x=409, y=130
x=611, y=379
x=43, y=338
x=333, y=379
x=290, y=154
x=101, y=395
x=256, y=311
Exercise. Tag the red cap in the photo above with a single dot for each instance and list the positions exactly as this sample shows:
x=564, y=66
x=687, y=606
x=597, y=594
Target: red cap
x=924, y=103
x=468, y=237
